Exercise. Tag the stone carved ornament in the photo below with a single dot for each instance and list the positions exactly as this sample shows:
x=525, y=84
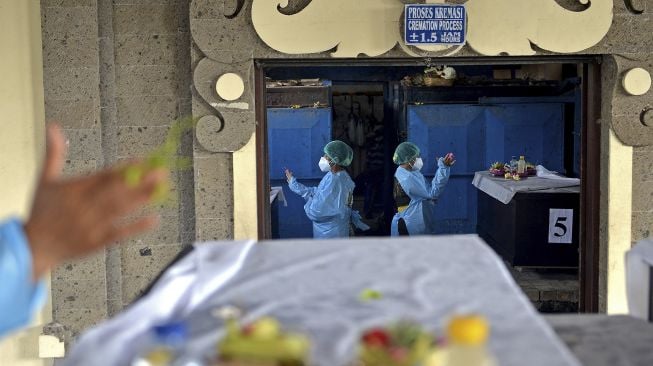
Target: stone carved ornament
x=345, y=28
x=373, y=27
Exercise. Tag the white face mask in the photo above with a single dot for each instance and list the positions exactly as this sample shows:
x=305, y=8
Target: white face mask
x=324, y=165
x=418, y=164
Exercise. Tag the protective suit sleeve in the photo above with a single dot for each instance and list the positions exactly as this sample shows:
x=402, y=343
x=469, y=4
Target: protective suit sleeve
x=357, y=220
x=324, y=204
x=300, y=189
x=440, y=180
x=20, y=295
x=413, y=183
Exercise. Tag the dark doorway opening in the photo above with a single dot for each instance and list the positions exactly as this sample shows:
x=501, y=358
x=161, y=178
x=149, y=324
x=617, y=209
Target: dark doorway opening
x=375, y=93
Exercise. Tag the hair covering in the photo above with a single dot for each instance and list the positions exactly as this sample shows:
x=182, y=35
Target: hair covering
x=405, y=153
x=339, y=153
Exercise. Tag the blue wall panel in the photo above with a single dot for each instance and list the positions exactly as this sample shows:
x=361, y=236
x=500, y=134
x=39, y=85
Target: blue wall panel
x=480, y=135
x=292, y=221
x=533, y=130
x=438, y=129
x=296, y=139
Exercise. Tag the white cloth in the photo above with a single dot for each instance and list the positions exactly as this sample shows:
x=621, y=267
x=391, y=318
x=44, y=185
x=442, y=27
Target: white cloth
x=543, y=172
x=277, y=193
x=639, y=264
x=314, y=287
x=504, y=190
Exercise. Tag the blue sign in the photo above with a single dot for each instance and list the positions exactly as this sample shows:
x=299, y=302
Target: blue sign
x=431, y=24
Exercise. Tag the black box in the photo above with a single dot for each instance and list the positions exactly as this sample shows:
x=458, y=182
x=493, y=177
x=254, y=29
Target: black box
x=519, y=230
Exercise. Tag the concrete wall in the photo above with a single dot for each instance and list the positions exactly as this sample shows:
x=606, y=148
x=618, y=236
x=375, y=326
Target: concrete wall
x=118, y=72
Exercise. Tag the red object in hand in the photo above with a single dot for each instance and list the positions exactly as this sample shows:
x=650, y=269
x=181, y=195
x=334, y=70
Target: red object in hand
x=449, y=159
x=376, y=338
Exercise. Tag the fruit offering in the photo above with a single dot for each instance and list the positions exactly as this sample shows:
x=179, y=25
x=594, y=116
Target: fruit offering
x=530, y=169
x=262, y=343
x=467, y=337
x=498, y=168
x=468, y=329
x=403, y=344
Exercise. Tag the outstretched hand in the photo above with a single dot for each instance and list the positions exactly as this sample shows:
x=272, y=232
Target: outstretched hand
x=289, y=174
x=449, y=159
x=74, y=217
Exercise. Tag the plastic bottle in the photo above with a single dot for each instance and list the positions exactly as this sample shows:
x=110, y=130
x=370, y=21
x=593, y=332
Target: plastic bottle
x=521, y=165
x=513, y=164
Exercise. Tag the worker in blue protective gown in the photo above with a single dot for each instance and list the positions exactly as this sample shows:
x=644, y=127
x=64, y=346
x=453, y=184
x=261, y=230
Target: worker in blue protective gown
x=329, y=204
x=414, y=198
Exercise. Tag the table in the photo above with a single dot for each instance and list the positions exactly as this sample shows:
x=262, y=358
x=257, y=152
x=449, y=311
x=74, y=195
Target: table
x=314, y=287
x=504, y=190
x=602, y=340
x=277, y=197
x=530, y=223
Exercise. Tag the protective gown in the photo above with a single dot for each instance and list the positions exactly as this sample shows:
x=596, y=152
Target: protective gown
x=328, y=205
x=420, y=213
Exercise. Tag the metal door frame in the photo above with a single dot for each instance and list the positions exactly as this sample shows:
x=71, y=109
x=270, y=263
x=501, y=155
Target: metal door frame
x=590, y=145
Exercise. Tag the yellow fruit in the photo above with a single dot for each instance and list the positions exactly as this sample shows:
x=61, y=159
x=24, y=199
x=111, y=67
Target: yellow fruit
x=265, y=328
x=471, y=330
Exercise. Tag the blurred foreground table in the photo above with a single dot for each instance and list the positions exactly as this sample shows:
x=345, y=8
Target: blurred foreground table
x=314, y=287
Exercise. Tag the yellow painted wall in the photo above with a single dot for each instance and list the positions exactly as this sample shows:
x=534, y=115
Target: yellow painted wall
x=21, y=140
x=620, y=198
x=244, y=168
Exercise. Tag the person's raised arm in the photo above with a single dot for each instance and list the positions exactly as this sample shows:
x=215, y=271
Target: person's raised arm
x=74, y=217
x=441, y=177
x=300, y=189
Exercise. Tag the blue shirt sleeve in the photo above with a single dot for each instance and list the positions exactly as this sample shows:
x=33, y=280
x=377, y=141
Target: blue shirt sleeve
x=20, y=295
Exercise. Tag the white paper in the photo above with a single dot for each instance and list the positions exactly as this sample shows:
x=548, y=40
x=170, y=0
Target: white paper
x=543, y=172
x=561, y=224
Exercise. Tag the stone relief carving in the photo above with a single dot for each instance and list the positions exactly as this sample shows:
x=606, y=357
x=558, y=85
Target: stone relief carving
x=369, y=27
x=633, y=7
x=372, y=27
x=513, y=26
x=229, y=39
x=239, y=8
x=231, y=123
x=630, y=114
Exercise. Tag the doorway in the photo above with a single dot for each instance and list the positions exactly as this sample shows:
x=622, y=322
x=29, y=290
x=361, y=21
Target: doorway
x=537, y=107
